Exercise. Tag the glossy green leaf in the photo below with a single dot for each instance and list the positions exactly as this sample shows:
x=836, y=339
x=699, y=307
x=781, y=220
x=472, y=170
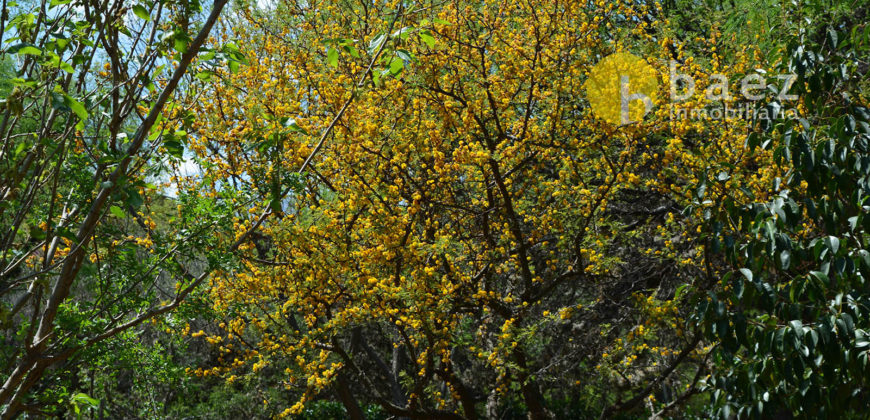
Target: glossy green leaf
x=141, y=12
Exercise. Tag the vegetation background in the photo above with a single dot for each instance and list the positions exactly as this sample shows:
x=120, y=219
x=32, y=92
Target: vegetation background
x=406, y=209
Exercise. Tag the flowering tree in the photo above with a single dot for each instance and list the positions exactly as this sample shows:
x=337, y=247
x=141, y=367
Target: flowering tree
x=444, y=228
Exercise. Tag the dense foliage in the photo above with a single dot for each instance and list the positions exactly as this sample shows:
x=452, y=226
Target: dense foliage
x=413, y=209
x=792, y=321
x=87, y=87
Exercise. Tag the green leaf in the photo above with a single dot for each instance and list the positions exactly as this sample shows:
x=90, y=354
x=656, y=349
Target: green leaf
x=141, y=12
x=29, y=50
x=19, y=148
x=396, y=65
x=746, y=273
x=17, y=81
x=85, y=399
x=180, y=45
x=820, y=276
x=180, y=41
x=832, y=37
x=231, y=47
x=55, y=61
x=785, y=259
x=405, y=55
x=117, y=212
x=680, y=290
x=833, y=243
x=850, y=324
x=174, y=148
x=427, y=38
x=352, y=51
x=204, y=75
x=332, y=57
x=798, y=327
x=77, y=107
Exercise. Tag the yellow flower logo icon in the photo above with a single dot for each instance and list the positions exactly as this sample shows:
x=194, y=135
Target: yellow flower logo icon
x=622, y=89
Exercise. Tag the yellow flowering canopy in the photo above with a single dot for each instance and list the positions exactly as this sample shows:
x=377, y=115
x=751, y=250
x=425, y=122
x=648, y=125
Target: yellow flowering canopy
x=466, y=232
